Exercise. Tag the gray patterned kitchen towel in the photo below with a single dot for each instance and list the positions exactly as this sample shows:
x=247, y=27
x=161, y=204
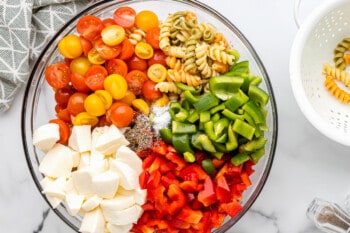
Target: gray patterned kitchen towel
x=25, y=28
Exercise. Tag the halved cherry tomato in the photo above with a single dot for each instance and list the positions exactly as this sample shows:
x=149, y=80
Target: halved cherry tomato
x=107, y=52
x=64, y=115
x=108, y=22
x=135, y=80
x=97, y=103
x=86, y=45
x=128, y=98
x=113, y=35
x=80, y=65
x=84, y=118
x=149, y=91
x=143, y=50
x=136, y=63
x=70, y=46
x=124, y=16
x=95, y=57
x=152, y=37
x=117, y=66
x=63, y=128
x=76, y=103
x=58, y=75
x=78, y=82
x=62, y=96
x=127, y=50
x=157, y=73
x=95, y=76
x=158, y=58
x=90, y=27
x=116, y=85
x=120, y=114
x=146, y=19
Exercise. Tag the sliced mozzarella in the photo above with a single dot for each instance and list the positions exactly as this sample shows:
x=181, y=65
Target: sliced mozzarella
x=84, y=159
x=110, y=141
x=119, y=202
x=76, y=158
x=128, y=156
x=54, y=201
x=105, y=184
x=96, y=156
x=119, y=228
x=138, y=193
x=129, y=178
x=73, y=203
x=123, y=217
x=69, y=187
x=56, y=188
x=80, y=139
x=91, y=203
x=82, y=180
x=93, y=222
x=46, y=136
x=57, y=162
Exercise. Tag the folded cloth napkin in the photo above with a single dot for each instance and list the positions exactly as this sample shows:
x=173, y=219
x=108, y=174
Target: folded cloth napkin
x=25, y=28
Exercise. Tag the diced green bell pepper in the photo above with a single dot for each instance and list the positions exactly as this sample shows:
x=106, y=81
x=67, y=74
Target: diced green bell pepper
x=181, y=143
x=231, y=115
x=224, y=86
x=253, y=145
x=240, y=158
x=244, y=129
x=166, y=135
x=181, y=128
x=206, y=102
x=177, y=112
x=236, y=101
x=255, y=156
x=258, y=95
x=208, y=166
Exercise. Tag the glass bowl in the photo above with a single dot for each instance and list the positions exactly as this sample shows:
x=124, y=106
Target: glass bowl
x=38, y=103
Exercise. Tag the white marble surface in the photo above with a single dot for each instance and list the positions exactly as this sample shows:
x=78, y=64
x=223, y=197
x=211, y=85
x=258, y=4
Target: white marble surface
x=306, y=164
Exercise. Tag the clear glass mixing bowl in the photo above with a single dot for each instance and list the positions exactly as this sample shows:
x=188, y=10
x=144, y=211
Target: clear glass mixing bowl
x=38, y=103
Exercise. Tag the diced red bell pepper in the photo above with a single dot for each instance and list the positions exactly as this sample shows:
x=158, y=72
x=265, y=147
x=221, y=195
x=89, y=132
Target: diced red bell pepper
x=216, y=218
x=245, y=179
x=189, y=186
x=248, y=167
x=191, y=169
x=179, y=224
x=207, y=196
x=222, y=189
x=147, y=161
x=189, y=215
x=173, y=157
x=157, y=163
x=231, y=208
x=178, y=199
x=233, y=170
x=204, y=223
x=160, y=147
x=167, y=166
x=168, y=179
x=143, y=179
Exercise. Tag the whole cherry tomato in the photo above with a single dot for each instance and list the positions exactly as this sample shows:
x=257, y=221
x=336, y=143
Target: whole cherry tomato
x=58, y=75
x=136, y=63
x=62, y=96
x=124, y=16
x=120, y=114
x=150, y=92
x=76, y=103
x=158, y=57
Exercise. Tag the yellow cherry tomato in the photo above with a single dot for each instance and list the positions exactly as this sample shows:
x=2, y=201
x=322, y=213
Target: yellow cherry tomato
x=95, y=58
x=70, y=46
x=141, y=105
x=157, y=72
x=80, y=65
x=106, y=97
x=116, y=85
x=143, y=50
x=128, y=98
x=161, y=102
x=94, y=105
x=146, y=20
x=85, y=118
x=113, y=35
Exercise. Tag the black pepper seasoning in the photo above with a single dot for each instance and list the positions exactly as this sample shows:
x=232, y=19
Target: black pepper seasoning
x=328, y=217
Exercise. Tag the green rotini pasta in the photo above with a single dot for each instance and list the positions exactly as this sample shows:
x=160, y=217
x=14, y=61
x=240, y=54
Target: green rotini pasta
x=339, y=51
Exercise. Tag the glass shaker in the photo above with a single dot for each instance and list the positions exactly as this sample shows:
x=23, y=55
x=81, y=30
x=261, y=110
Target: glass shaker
x=328, y=217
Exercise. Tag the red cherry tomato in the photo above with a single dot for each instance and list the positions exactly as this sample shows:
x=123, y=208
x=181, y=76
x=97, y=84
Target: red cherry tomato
x=76, y=103
x=135, y=80
x=64, y=115
x=124, y=16
x=117, y=66
x=149, y=91
x=86, y=44
x=95, y=76
x=107, y=52
x=152, y=37
x=128, y=50
x=108, y=22
x=63, y=128
x=62, y=96
x=58, y=75
x=90, y=27
x=136, y=63
x=78, y=82
x=158, y=57
x=120, y=114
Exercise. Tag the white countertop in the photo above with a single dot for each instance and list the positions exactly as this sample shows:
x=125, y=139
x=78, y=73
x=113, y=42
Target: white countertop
x=306, y=165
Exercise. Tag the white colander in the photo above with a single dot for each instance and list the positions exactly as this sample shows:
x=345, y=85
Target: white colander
x=313, y=46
